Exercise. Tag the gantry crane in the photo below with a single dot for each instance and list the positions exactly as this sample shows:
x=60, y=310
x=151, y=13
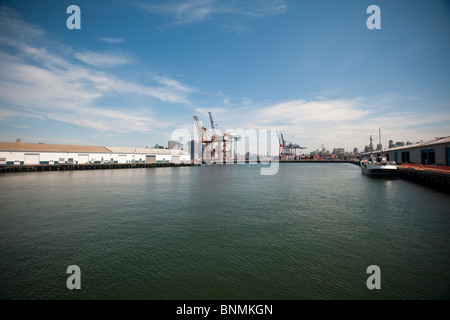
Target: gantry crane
x=288, y=150
x=216, y=143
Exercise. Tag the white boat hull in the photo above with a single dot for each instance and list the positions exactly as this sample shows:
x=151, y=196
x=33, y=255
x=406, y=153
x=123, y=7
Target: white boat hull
x=382, y=171
x=378, y=167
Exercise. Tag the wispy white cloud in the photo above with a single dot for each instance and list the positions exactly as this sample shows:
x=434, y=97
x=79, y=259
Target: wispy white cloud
x=112, y=40
x=12, y=25
x=172, y=83
x=40, y=81
x=301, y=111
x=98, y=59
x=193, y=11
x=344, y=123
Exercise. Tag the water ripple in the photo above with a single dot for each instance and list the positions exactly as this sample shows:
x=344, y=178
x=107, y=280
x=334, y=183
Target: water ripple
x=222, y=232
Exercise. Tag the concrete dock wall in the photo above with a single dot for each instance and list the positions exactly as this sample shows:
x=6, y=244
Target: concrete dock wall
x=64, y=167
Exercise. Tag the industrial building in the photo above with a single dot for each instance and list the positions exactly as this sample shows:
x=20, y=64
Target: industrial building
x=435, y=152
x=18, y=153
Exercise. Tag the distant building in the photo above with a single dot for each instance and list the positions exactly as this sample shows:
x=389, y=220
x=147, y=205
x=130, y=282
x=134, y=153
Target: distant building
x=172, y=144
x=379, y=147
x=391, y=144
x=368, y=149
x=399, y=144
x=355, y=150
x=338, y=151
x=193, y=150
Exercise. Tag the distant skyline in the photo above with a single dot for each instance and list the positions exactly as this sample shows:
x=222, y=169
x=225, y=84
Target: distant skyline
x=138, y=70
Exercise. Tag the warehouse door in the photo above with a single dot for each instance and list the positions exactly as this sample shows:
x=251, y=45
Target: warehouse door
x=423, y=157
x=405, y=157
x=176, y=159
x=31, y=158
x=447, y=156
x=83, y=158
x=122, y=158
x=428, y=156
x=431, y=156
x=150, y=159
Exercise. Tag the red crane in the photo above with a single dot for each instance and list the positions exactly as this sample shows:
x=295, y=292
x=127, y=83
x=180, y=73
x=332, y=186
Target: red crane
x=214, y=144
x=288, y=150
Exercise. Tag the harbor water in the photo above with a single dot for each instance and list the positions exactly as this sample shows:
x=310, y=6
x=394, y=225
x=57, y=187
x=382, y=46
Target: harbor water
x=222, y=232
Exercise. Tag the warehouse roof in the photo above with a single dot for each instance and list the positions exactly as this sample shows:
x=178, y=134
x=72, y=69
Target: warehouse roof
x=42, y=147
x=421, y=144
x=144, y=150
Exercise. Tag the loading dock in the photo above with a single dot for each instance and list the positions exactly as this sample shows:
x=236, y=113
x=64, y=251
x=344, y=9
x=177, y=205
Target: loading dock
x=31, y=158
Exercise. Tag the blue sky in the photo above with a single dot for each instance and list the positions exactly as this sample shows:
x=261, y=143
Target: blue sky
x=137, y=70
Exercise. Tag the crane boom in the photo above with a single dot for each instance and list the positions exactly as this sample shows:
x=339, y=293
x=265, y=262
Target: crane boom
x=212, y=121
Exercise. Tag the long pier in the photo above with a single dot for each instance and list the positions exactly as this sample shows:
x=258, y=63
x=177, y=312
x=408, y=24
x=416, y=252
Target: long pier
x=429, y=178
x=87, y=166
x=321, y=161
x=437, y=177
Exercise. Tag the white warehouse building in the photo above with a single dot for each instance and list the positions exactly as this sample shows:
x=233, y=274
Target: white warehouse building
x=18, y=153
